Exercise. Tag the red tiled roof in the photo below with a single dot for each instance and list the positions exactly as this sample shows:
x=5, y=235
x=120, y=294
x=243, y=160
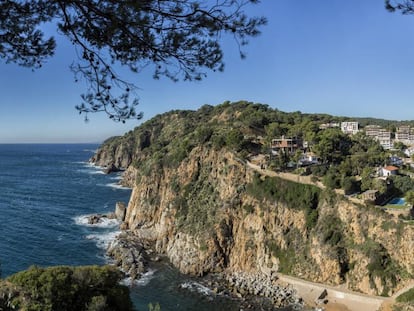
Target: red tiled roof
x=391, y=168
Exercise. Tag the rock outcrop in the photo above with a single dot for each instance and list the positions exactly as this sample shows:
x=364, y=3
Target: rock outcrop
x=129, y=254
x=198, y=203
x=99, y=218
x=120, y=211
x=114, y=155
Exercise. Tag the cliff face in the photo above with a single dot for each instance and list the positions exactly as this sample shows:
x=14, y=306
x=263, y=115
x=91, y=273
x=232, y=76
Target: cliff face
x=201, y=216
x=208, y=212
x=116, y=151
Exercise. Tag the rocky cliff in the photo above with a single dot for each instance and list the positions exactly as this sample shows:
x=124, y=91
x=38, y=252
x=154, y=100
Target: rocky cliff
x=195, y=199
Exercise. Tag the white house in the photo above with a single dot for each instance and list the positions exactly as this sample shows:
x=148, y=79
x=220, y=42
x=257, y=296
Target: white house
x=389, y=170
x=308, y=159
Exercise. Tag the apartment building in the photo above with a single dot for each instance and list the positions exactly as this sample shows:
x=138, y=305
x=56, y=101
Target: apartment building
x=405, y=135
x=383, y=136
x=350, y=127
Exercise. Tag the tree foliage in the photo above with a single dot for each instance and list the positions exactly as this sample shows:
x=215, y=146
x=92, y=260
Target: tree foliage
x=404, y=6
x=65, y=288
x=409, y=197
x=332, y=145
x=180, y=38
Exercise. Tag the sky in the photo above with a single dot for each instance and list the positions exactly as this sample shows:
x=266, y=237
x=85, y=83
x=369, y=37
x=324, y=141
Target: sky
x=345, y=58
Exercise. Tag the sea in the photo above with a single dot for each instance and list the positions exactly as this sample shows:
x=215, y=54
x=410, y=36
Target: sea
x=47, y=191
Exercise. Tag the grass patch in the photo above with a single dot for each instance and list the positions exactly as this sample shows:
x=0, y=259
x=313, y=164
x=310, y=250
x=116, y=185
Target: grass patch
x=295, y=195
x=408, y=296
x=286, y=257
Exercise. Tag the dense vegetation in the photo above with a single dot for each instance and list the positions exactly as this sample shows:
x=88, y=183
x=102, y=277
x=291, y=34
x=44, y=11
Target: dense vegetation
x=294, y=195
x=347, y=162
x=63, y=288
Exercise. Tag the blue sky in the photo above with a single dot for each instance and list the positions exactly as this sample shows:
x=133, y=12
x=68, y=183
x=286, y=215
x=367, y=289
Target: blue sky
x=350, y=58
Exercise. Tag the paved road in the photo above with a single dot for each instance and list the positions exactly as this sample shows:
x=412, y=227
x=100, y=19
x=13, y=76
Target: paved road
x=354, y=301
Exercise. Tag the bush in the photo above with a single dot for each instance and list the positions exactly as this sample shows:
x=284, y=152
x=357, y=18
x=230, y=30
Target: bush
x=380, y=263
x=203, y=134
x=331, y=179
x=319, y=170
x=69, y=288
x=286, y=256
x=294, y=195
x=235, y=140
x=248, y=208
x=408, y=296
x=350, y=185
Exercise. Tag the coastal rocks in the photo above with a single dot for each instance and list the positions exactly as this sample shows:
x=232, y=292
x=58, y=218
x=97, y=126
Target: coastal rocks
x=243, y=284
x=120, y=211
x=129, y=177
x=120, y=155
x=129, y=255
x=99, y=218
x=111, y=168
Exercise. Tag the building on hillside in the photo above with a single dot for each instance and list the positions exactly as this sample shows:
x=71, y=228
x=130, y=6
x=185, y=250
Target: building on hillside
x=405, y=135
x=396, y=161
x=370, y=195
x=388, y=171
x=308, y=158
x=409, y=151
x=288, y=145
x=372, y=130
x=384, y=139
x=325, y=126
x=380, y=134
x=350, y=127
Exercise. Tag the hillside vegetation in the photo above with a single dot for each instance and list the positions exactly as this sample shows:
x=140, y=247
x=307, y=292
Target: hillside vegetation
x=199, y=203
x=89, y=288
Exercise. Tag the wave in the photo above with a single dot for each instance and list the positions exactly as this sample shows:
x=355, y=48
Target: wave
x=90, y=150
x=90, y=168
x=197, y=287
x=94, y=172
x=117, y=186
x=103, y=240
x=142, y=281
x=104, y=222
x=119, y=177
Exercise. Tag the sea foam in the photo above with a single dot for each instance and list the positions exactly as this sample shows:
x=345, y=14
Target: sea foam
x=142, y=281
x=103, y=240
x=117, y=186
x=197, y=287
x=105, y=222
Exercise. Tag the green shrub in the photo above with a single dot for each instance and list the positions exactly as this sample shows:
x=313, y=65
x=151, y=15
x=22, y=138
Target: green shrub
x=408, y=296
x=294, y=195
x=286, y=256
x=380, y=263
x=248, y=208
x=69, y=288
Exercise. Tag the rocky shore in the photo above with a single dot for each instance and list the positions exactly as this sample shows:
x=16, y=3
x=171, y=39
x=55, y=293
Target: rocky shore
x=244, y=284
x=129, y=255
x=253, y=290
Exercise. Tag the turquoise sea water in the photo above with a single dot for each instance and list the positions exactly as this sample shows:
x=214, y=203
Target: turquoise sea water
x=46, y=191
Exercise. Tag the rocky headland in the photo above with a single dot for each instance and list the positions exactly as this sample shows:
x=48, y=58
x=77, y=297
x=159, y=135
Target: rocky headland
x=195, y=201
